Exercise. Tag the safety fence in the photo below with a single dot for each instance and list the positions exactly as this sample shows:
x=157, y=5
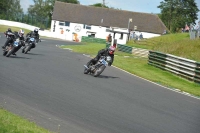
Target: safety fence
x=140, y=52
x=124, y=48
x=132, y=50
x=92, y=39
x=186, y=68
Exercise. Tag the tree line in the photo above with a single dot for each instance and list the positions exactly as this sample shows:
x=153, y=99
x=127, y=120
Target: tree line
x=175, y=14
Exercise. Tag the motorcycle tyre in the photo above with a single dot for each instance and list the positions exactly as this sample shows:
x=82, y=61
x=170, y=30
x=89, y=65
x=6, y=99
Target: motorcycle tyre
x=10, y=52
x=99, y=71
x=5, y=52
x=86, y=71
x=27, y=49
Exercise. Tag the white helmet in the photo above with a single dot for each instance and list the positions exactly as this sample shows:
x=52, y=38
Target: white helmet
x=21, y=33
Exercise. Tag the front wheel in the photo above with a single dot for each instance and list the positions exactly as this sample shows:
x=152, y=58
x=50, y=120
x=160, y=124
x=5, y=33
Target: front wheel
x=27, y=49
x=99, y=70
x=10, y=52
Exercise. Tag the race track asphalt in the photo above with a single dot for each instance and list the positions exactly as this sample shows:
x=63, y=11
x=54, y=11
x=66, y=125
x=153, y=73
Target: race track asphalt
x=48, y=86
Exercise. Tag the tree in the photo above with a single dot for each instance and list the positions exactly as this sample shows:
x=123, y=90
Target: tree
x=42, y=10
x=70, y=1
x=10, y=9
x=99, y=5
x=176, y=13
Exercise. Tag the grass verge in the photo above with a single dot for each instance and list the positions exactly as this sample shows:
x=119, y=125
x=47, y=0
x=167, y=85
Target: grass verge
x=139, y=66
x=10, y=123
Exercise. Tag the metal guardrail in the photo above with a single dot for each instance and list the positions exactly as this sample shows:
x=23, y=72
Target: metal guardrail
x=124, y=48
x=186, y=68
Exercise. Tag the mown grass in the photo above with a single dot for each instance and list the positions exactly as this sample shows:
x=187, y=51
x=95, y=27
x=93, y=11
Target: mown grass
x=10, y=123
x=139, y=66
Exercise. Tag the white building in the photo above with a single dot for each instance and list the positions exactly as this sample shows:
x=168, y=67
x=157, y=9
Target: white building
x=72, y=21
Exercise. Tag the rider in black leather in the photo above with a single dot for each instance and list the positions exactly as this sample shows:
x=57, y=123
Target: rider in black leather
x=103, y=52
x=33, y=34
x=10, y=38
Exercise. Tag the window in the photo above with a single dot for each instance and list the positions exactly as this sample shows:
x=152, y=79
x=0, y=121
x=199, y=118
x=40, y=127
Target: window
x=61, y=23
x=87, y=27
x=121, y=36
x=107, y=30
x=64, y=23
x=67, y=23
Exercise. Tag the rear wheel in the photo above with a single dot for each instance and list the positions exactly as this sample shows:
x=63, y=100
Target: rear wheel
x=86, y=71
x=5, y=52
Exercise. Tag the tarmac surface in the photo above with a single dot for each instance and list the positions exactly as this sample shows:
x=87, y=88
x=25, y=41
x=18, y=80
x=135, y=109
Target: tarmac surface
x=47, y=86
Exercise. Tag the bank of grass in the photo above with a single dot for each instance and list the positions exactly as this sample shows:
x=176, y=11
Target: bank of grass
x=4, y=28
x=139, y=66
x=10, y=123
x=178, y=44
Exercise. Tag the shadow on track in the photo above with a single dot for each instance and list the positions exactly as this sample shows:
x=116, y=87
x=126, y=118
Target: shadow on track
x=34, y=54
x=107, y=77
x=18, y=57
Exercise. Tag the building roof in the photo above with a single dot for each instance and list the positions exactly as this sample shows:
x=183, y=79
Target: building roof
x=107, y=17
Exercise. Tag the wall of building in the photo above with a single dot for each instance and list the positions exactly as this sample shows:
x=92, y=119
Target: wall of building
x=69, y=31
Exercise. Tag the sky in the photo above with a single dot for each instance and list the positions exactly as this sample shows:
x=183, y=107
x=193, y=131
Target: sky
x=145, y=6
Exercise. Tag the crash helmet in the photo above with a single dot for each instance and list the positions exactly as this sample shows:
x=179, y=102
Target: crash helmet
x=35, y=31
x=9, y=30
x=21, y=33
x=111, y=50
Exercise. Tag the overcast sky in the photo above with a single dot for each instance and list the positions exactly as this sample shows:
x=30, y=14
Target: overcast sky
x=146, y=6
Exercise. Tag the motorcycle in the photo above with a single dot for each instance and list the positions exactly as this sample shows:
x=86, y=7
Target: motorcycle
x=31, y=43
x=99, y=67
x=12, y=48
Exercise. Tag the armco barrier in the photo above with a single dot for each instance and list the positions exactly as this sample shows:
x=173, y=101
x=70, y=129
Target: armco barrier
x=183, y=67
x=124, y=48
x=92, y=39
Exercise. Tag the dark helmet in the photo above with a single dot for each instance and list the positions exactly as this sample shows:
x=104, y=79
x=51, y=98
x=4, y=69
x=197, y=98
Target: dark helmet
x=9, y=30
x=35, y=31
x=111, y=50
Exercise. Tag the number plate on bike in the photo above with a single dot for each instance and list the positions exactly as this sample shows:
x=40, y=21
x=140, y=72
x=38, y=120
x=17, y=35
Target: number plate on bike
x=104, y=62
x=32, y=39
x=16, y=43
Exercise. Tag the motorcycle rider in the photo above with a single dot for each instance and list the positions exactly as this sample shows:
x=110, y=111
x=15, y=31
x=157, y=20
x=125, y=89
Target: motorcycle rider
x=19, y=35
x=103, y=52
x=9, y=38
x=33, y=33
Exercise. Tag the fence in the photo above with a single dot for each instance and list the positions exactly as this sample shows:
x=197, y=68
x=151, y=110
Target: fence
x=29, y=19
x=186, y=68
x=124, y=48
x=194, y=34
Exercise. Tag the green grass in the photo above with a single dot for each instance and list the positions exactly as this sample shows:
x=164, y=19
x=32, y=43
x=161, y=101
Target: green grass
x=139, y=66
x=4, y=28
x=10, y=123
x=178, y=44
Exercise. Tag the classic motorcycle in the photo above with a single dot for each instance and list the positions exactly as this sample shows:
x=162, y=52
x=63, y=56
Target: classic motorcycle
x=31, y=43
x=12, y=48
x=99, y=67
